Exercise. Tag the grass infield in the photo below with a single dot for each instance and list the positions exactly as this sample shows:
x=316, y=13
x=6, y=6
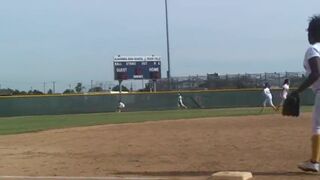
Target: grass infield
x=24, y=124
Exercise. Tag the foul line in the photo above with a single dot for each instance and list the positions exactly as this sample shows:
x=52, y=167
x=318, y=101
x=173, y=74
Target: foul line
x=76, y=178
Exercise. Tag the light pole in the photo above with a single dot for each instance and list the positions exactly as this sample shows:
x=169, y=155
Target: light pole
x=44, y=87
x=168, y=47
x=53, y=87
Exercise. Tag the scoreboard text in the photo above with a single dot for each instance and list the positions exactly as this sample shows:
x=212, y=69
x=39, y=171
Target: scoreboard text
x=137, y=68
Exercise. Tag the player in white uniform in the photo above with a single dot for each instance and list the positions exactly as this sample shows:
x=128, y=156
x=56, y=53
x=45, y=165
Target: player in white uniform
x=267, y=98
x=311, y=64
x=180, y=102
x=121, y=106
x=284, y=92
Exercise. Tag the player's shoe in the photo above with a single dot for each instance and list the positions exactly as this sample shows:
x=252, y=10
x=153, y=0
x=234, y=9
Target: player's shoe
x=309, y=166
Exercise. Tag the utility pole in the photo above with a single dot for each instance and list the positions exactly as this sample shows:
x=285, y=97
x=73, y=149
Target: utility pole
x=53, y=87
x=44, y=87
x=168, y=47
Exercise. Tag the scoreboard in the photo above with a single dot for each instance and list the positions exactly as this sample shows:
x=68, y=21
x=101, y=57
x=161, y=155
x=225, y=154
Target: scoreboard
x=137, y=67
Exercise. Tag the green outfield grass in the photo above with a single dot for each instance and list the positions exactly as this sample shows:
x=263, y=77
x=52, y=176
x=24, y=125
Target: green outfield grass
x=15, y=125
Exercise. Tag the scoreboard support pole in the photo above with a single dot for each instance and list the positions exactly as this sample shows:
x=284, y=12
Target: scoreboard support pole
x=154, y=85
x=120, y=89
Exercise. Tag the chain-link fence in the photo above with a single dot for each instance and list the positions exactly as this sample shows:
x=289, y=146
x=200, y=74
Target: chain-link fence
x=197, y=82
x=229, y=81
x=53, y=87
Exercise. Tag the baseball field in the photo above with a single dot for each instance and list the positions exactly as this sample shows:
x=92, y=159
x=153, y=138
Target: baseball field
x=177, y=144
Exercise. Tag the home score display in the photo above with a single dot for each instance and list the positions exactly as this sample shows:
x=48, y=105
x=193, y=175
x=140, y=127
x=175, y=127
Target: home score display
x=137, y=67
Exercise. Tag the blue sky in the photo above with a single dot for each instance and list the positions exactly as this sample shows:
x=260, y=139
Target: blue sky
x=71, y=41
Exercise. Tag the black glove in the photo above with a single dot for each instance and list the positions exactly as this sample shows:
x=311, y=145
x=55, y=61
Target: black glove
x=291, y=106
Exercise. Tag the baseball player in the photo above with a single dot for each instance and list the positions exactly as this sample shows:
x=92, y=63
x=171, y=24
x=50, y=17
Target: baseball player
x=267, y=98
x=180, y=102
x=284, y=92
x=311, y=64
x=121, y=106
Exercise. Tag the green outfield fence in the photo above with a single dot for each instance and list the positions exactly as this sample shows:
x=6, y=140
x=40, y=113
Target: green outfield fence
x=94, y=103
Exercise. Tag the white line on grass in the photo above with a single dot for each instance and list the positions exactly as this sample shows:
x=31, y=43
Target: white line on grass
x=80, y=178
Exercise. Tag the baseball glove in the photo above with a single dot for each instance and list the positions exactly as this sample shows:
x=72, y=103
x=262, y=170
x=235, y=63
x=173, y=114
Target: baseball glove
x=291, y=106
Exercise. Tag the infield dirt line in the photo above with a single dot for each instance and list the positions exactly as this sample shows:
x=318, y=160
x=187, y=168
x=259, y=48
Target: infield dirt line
x=81, y=177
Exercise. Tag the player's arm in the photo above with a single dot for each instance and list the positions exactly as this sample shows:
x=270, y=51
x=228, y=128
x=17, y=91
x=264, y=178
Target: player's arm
x=314, y=63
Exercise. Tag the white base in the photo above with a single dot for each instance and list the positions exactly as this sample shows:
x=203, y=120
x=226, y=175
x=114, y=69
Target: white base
x=231, y=175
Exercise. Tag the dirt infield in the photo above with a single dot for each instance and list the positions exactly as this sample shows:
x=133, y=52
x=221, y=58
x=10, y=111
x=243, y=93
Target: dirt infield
x=270, y=146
